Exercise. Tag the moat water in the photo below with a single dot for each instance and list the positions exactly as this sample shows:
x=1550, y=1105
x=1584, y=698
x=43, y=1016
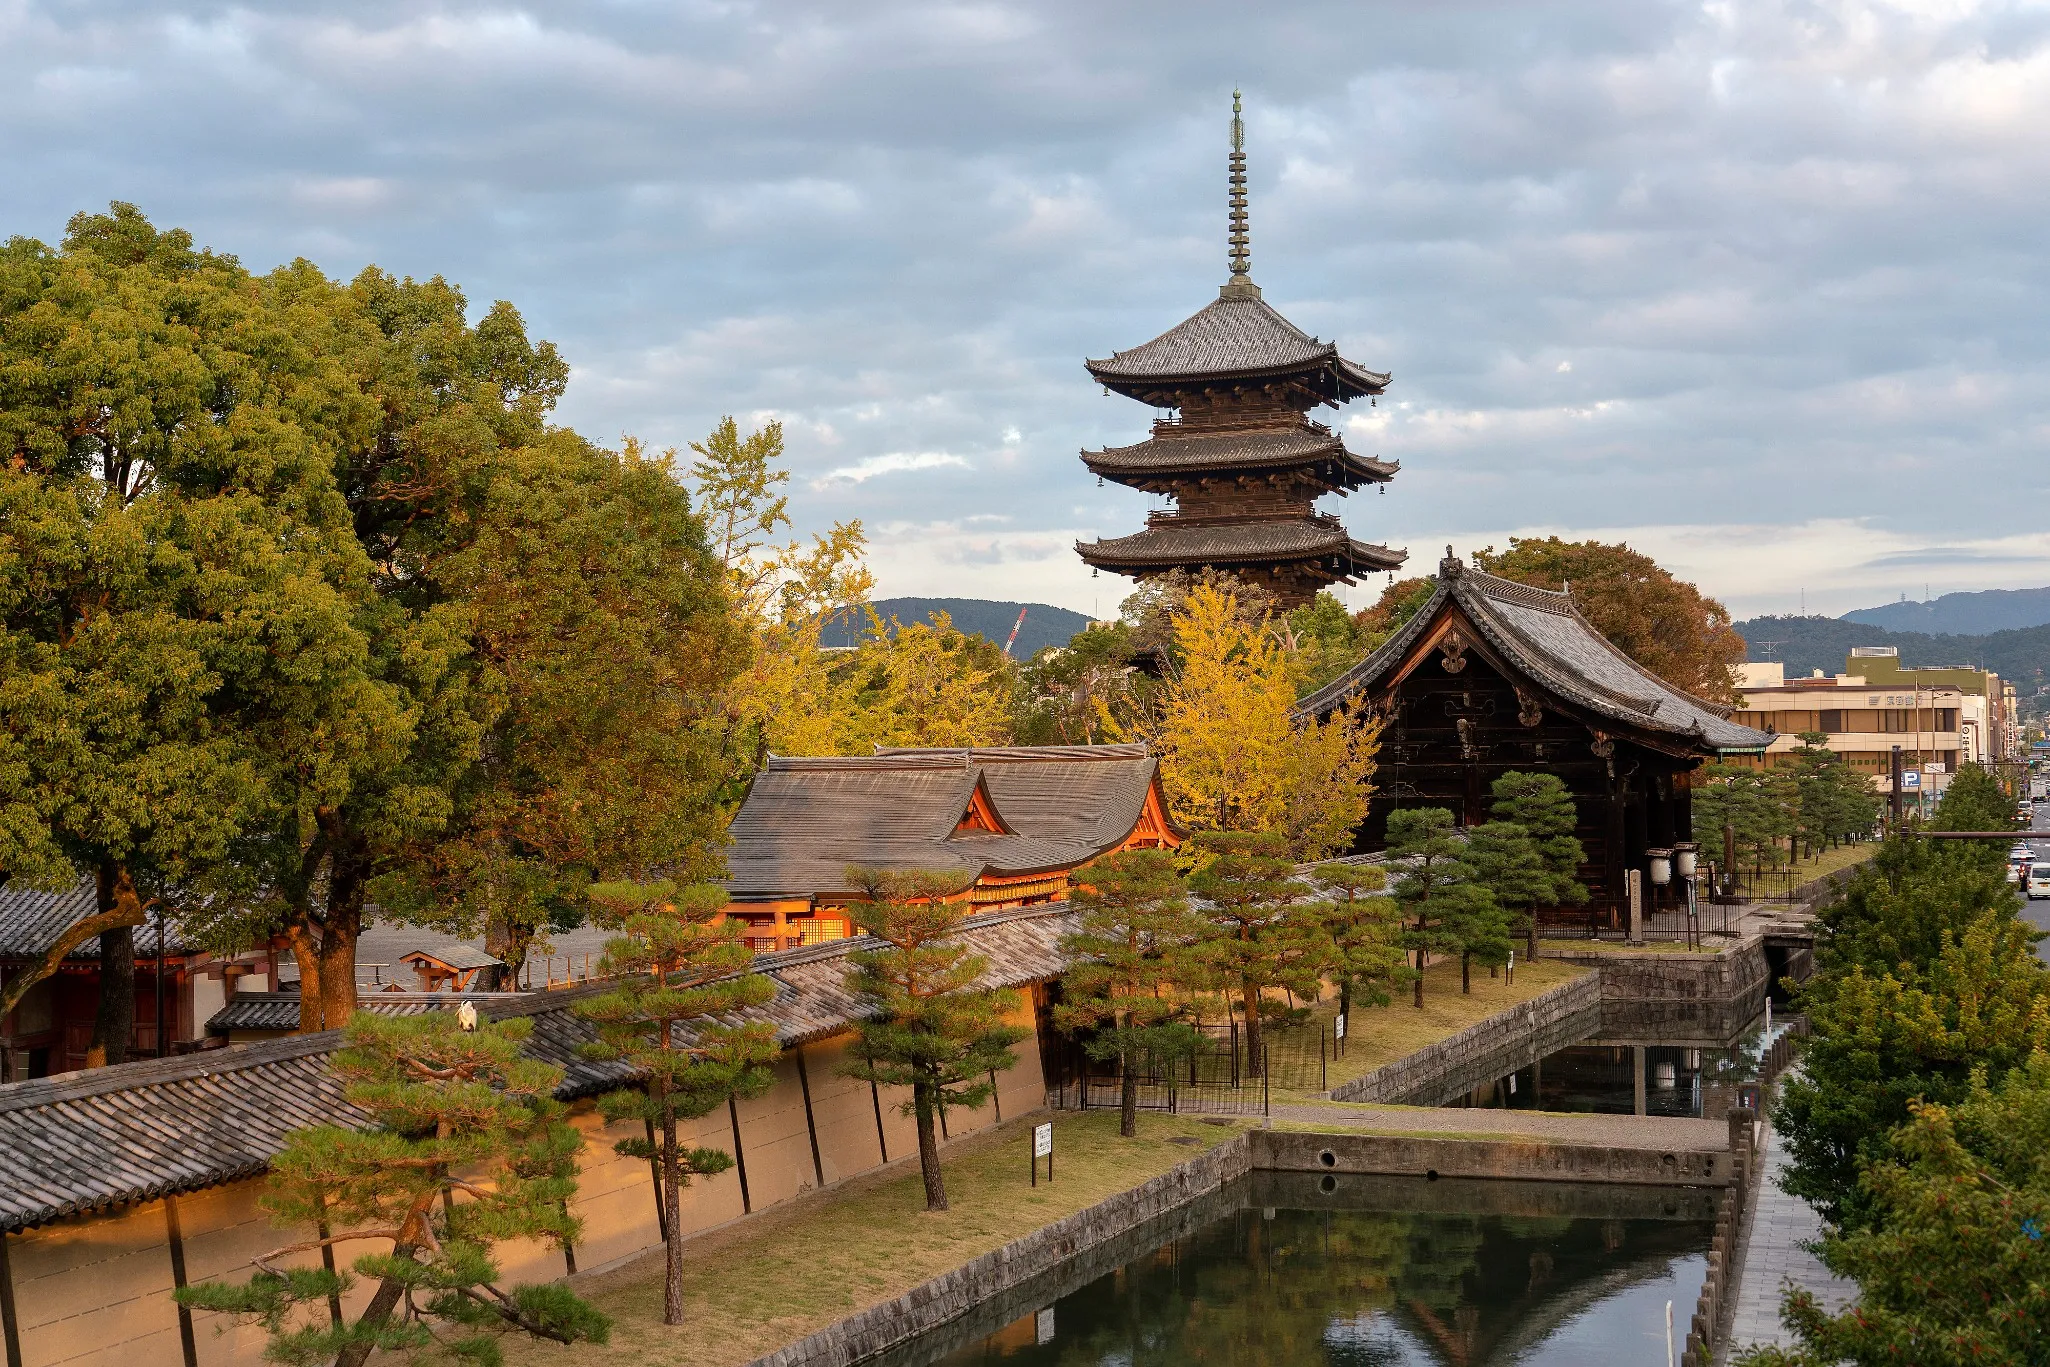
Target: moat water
x=1372, y=1272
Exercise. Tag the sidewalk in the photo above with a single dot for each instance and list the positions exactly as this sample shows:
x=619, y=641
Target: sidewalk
x=1475, y=1122
x=1775, y=1228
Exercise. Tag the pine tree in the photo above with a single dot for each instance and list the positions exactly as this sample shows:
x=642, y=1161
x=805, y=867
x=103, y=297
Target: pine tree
x=1264, y=924
x=1367, y=959
x=1541, y=805
x=679, y=963
x=1509, y=864
x=444, y=1101
x=1129, y=965
x=1437, y=889
x=932, y=1027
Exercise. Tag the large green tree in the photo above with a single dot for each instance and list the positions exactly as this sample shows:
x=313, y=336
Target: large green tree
x=1448, y=910
x=1665, y=624
x=679, y=962
x=1131, y=963
x=467, y=1147
x=1366, y=959
x=931, y=1025
x=178, y=580
x=1953, y=1270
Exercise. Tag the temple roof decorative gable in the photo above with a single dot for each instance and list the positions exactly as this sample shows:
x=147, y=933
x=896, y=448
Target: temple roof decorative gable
x=1543, y=636
x=1054, y=808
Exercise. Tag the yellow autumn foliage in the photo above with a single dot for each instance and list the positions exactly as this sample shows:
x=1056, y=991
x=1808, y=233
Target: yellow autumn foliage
x=1234, y=755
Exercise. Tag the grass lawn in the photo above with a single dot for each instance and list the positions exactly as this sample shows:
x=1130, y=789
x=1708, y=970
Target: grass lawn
x=1806, y=870
x=754, y=1286
x=1382, y=1034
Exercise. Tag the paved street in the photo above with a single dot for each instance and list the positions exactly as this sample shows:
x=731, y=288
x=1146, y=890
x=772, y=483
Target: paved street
x=1775, y=1229
x=2037, y=912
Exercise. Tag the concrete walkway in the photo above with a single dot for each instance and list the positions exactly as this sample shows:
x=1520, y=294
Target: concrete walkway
x=1775, y=1228
x=1476, y=1122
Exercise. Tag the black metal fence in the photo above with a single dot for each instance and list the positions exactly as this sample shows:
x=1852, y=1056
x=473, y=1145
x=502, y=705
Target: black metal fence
x=1217, y=1077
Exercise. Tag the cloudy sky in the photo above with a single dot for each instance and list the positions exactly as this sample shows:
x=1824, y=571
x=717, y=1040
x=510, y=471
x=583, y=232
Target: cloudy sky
x=1757, y=287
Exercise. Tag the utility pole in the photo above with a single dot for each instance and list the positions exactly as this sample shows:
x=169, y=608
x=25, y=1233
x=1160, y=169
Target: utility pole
x=1893, y=799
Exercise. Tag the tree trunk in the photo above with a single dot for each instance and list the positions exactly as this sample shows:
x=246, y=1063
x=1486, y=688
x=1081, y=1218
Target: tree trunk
x=340, y=929
x=306, y=954
x=1530, y=938
x=1345, y=1004
x=337, y=968
x=378, y=1311
x=1250, y=995
x=1465, y=972
x=1128, y=1098
x=929, y=1147
x=672, y=1205
x=1417, y=984
x=114, y=1020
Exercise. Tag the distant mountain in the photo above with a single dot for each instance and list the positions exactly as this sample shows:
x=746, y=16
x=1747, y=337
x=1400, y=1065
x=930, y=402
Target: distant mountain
x=1806, y=644
x=1968, y=614
x=1045, y=624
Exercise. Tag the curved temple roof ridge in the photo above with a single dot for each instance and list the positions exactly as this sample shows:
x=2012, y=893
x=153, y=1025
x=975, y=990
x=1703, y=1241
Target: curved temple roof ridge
x=1544, y=634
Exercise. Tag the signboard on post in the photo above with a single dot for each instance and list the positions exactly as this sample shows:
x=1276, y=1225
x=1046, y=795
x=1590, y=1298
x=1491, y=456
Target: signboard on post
x=1911, y=780
x=1042, y=1147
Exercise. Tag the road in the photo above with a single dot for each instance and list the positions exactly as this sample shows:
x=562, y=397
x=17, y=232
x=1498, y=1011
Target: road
x=2036, y=911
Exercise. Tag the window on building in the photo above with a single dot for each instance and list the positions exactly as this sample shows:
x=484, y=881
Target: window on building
x=1832, y=722
x=1946, y=719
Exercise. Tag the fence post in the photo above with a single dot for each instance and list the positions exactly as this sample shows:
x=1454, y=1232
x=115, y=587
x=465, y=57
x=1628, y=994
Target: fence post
x=1323, y=1067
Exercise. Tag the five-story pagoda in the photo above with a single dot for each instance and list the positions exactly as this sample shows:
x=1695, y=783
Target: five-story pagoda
x=1242, y=460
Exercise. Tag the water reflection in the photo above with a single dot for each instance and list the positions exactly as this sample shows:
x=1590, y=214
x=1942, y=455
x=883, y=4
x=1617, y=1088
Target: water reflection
x=1626, y=1079
x=1276, y=1288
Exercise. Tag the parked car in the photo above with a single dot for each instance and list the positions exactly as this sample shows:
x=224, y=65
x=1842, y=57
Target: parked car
x=2038, y=884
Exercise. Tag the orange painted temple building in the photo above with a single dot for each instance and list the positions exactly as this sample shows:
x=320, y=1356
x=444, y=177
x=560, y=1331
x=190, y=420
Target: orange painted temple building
x=1012, y=821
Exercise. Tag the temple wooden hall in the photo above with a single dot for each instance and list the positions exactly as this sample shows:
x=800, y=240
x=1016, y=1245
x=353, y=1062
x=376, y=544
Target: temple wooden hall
x=1012, y=821
x=1491, y=676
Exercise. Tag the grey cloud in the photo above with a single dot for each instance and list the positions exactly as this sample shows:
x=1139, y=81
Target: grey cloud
x=1793, y=253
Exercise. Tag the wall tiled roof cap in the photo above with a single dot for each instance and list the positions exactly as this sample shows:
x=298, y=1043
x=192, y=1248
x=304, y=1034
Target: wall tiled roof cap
x=280, y=1010
x=112, y=1136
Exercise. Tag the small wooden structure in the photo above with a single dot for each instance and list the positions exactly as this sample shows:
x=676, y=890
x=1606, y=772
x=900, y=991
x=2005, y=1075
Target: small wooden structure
x=454, y=967
x=1242, y=460
x=1492, y=675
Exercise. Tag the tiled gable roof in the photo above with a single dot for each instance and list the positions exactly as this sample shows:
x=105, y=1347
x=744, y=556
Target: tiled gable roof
x=31, y=920
x=806, y=819
x=1543, y=634
x=112, y=1136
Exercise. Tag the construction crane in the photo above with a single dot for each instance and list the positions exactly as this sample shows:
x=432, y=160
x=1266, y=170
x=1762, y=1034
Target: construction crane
x=1014, y=630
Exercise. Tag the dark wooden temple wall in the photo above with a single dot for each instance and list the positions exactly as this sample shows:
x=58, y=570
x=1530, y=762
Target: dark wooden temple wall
x=1449, y=735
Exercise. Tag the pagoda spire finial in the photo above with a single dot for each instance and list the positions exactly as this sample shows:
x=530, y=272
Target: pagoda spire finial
x=1241, y=255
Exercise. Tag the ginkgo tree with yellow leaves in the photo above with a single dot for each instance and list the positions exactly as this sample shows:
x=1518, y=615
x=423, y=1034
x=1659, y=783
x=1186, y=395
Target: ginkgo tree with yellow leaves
x=923, y=684
x=1235, y=755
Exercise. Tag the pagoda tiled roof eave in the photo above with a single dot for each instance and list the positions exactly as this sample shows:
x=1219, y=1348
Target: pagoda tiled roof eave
x=1234, y=337
x=1203, y=453
x=1278, y=541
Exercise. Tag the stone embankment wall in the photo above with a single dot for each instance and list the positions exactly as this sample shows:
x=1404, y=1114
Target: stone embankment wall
x=954, y=1294
x=1515, y=1159
x=1500, y=1044
x=1678, y=997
